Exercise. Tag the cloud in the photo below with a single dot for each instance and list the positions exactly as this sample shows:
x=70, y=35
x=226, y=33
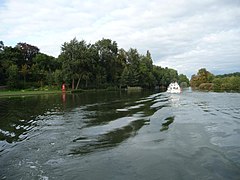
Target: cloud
x=181, y=34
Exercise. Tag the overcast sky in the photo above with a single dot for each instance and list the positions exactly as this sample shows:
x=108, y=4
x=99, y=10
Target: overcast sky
x=182, y=34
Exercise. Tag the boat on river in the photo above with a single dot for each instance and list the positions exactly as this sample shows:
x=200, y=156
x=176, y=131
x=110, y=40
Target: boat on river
x=174, y=88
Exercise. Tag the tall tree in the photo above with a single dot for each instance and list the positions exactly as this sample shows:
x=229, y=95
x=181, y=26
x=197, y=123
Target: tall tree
x=24, y=71
x=28, y=51
x=146, y=71
x=133, y=63
x=12, y=73
x=108, y=51
x=8, y=56
x=75, y=57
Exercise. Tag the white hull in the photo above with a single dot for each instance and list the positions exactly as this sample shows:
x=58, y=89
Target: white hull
x=174, y=91
x=174, y=88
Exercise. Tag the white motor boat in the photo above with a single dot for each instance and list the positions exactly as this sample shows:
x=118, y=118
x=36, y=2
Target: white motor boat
x=174, y=88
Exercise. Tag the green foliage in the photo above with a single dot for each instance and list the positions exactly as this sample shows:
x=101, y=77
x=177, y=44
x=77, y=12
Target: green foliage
x=183, y=80
x=82, y=65
x=229, y=75
x=98, y=65
x=76, y=61
x=24, y=71
x=164, y=76
x=146, y=71
x=12, y=73
x=203, y=76
x=206, y=86
x=226, y=83
x=28, y=52
x=205, y=80
x=58, y=77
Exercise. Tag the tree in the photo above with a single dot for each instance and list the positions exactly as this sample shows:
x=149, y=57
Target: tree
x=45, y=62
x=11, y=56
x=28, y=51
x=24, y=71
x=124, y=77
x=75, y=56
x=83, y=65
x=203, y=76
x=120, y=67
x=217, y=83
x=183, y=80
x=133, y=63
x=12, y=73
x=146, y=71
x=58, y=77
x=108, y=51
x=8, y=56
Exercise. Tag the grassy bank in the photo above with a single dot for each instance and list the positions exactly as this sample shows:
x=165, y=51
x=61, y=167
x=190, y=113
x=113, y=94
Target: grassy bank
x=7, y=93
x=10, y=93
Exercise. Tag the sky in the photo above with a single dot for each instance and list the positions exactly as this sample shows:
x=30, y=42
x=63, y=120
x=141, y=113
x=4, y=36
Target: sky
x=182, y=34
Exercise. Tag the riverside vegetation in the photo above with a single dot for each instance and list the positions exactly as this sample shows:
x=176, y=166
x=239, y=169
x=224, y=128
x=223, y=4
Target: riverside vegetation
x=205, y=80
x=80, y=65
x=101, y=65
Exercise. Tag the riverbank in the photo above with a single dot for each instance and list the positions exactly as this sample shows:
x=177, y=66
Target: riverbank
x=8, y=93
x=13, y=93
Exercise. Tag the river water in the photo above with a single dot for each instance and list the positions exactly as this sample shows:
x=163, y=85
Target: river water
x=121, y=135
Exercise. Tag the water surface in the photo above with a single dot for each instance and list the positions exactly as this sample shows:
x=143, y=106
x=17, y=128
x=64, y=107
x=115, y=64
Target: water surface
x=120, y=135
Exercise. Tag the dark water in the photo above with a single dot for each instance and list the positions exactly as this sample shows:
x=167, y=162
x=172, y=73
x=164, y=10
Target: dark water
x=113, y=135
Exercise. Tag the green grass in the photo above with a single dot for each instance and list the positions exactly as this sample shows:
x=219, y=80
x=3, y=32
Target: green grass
x=8, y=93
x=29, y=92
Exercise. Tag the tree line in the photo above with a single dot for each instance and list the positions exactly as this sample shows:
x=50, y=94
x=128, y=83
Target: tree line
x=205, y=80
x=82, y=65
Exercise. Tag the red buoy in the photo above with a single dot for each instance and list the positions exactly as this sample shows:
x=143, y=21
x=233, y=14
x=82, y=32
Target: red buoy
x=63, y=87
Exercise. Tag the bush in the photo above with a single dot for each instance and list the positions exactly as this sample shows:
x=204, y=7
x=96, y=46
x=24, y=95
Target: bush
x=206, y=86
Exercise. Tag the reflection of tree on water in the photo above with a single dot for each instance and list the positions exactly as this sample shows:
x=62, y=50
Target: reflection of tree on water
x=19, y=115
x=108, y=140
x=166, y=123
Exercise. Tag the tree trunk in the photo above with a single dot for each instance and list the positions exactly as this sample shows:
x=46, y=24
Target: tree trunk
x=73, y=84
x=78, y=82
x=24, y=81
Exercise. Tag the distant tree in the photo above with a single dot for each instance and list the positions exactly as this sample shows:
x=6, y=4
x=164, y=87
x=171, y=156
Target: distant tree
x=24, y=71
x=28, y=51
x=12, y=73
x=8, y=56
x=58, y=77
x=217, y=83
x=203, y=76
x=124, y=77
x=121, y=65
x=11, y=56
x=108, y=51
x=97, y=65
x=228, y=75
x=146, y=71
x=173, y=75
x=133, y=63
x=45, y=62
x=76, y=60
x=183, y=80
